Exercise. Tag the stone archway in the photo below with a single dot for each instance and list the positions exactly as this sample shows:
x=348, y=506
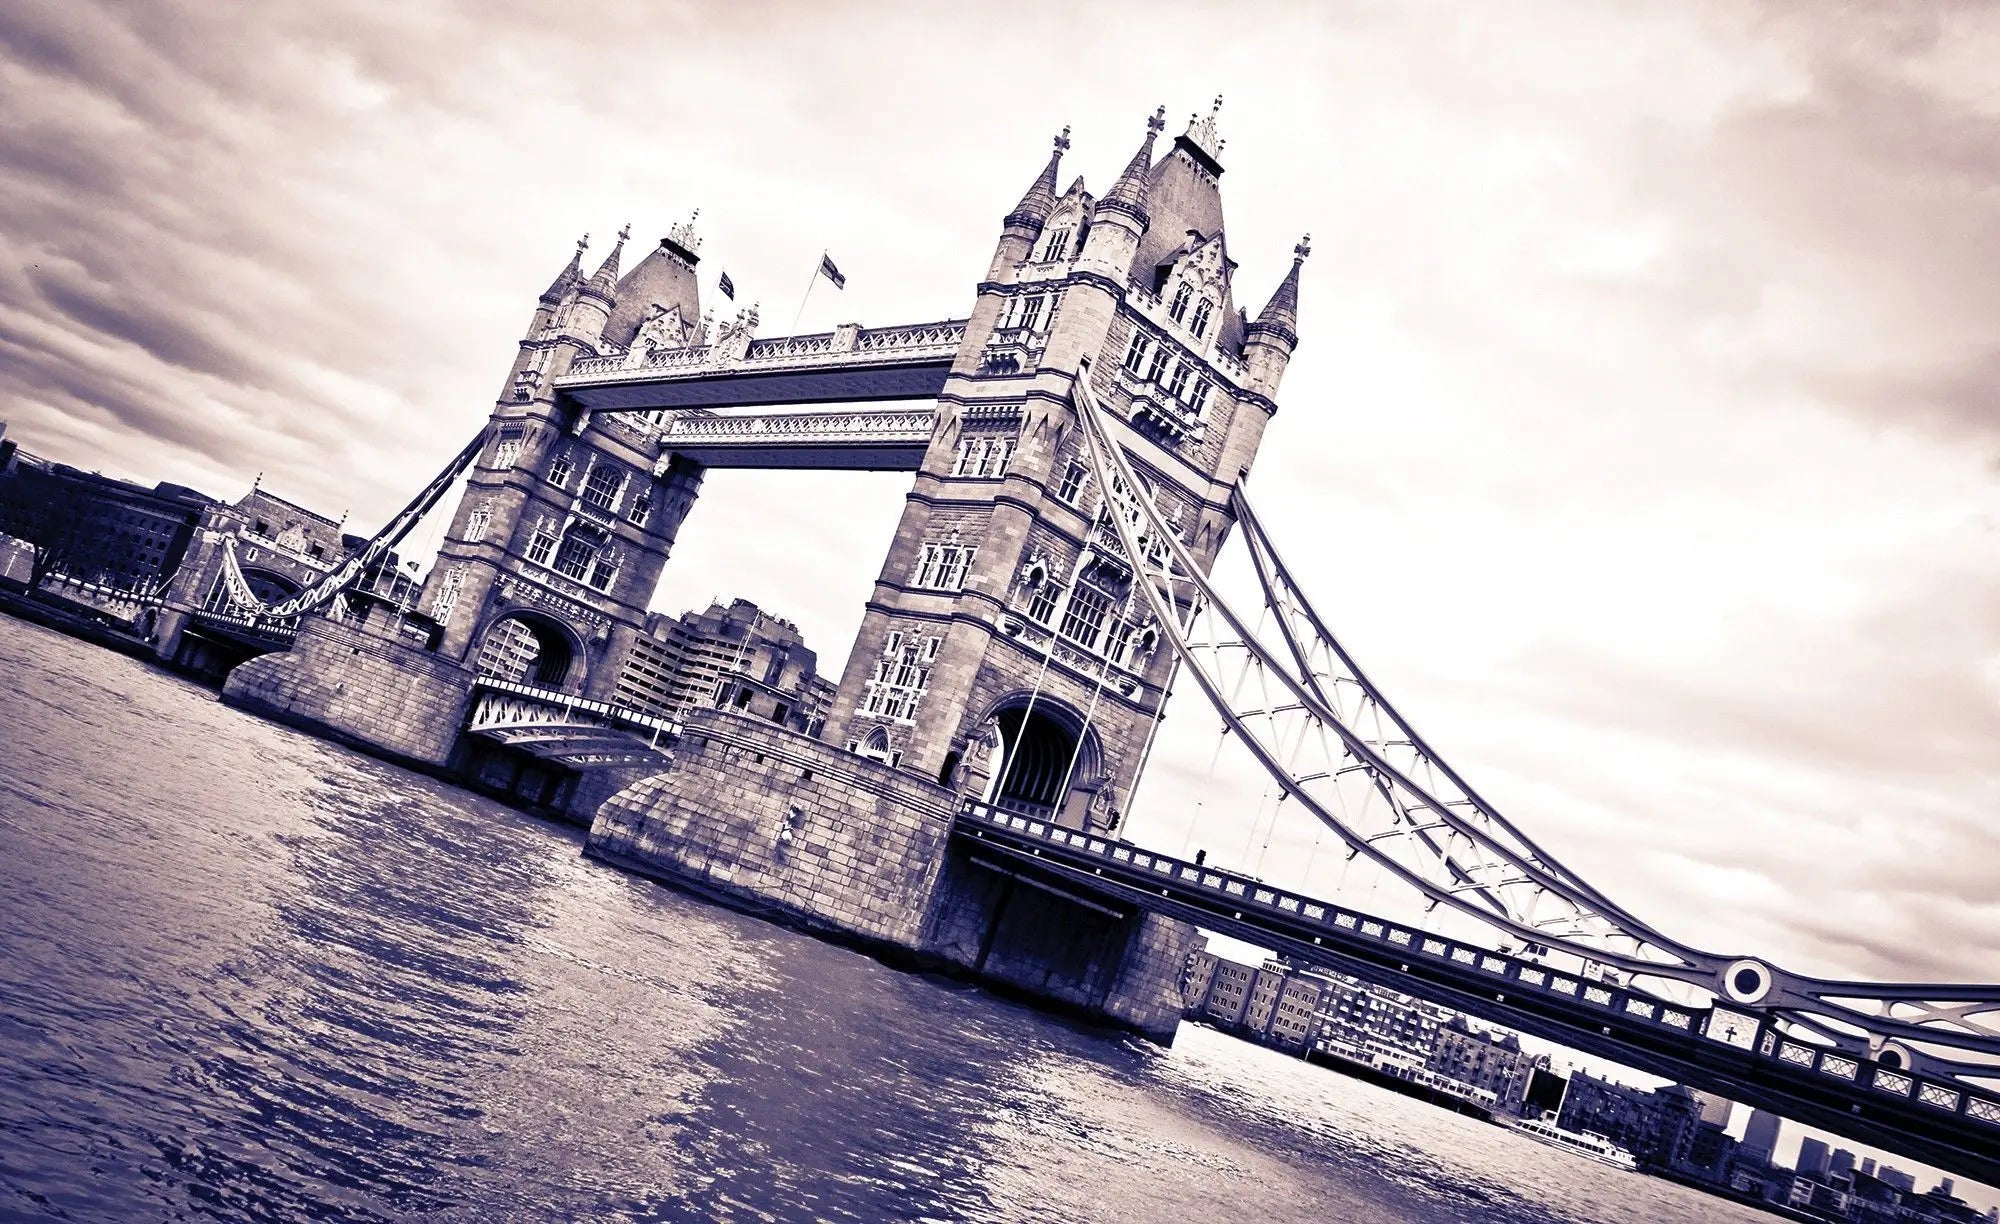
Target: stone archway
x=532, y=649
x=1049, y=762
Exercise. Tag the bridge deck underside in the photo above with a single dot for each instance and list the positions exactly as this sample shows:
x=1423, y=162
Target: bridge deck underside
x=724, y=388
x=576, y=747
x=1897, y=1124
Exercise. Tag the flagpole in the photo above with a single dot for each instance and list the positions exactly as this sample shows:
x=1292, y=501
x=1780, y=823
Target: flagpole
x=810, y=282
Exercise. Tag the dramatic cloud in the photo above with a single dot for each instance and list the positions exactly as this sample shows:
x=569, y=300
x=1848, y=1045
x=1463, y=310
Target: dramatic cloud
x=1643, y=439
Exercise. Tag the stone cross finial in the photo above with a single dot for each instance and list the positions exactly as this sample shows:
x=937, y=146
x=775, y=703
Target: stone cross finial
x=626, y=232
x=1062, y=141
x=1302, y=250
x=583, y=244
x=1158, y=122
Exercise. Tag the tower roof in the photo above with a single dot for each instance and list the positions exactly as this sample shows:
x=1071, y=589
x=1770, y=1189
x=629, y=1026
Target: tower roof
x=1128, y=194
x=604, y=281
x=1035, y=206
x=566, y=279
x=664, y=280
x=1281, y=314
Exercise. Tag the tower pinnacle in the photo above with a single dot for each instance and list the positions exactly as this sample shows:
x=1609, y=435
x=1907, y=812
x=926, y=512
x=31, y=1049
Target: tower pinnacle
x=1201, y=133
x=1128, y=194
x=1035, y=206
x=565, y=279
x=604, y=281
x=1280, y=315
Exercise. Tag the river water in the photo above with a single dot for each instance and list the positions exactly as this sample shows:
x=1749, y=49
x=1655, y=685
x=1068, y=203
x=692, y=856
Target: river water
x=247, y=975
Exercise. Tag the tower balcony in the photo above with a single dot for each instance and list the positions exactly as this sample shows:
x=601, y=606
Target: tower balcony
x=1013, y=349
x=1156, y=411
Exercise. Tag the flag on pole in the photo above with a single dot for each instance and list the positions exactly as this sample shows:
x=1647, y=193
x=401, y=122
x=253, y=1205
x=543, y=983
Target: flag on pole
x=727, y=286
x=831, y=273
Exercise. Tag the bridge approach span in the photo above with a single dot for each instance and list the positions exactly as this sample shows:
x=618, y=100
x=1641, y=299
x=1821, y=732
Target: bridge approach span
x=1713, y=1048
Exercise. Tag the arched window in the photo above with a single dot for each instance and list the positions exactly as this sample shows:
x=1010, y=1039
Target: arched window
x=559, y=470
x=1182, y=296
x=876, y=746
x=578, y=551
x=607, y=481
x=1201, y=317
x=1057, y=246
x=1135, y=353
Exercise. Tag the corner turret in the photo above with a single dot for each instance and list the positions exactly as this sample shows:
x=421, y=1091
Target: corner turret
x=1268, y=342
x=597, y=296
x=1024, y=223
x=1121, y=217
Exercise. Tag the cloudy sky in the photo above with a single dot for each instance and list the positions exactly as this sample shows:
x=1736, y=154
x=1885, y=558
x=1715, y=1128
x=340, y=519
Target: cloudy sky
x=1644, y=437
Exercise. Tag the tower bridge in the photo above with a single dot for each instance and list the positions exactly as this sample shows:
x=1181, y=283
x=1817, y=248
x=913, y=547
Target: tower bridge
x=1077, y=454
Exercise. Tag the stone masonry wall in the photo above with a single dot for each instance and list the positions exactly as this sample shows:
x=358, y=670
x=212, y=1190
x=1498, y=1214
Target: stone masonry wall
x=762, y=813
x=393, y=698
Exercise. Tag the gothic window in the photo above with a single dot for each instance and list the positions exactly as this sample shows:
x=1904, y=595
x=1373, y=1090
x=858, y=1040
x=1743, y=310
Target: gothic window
x=941, y=567
x=542, y=543
x=509, y=451
x=1070, y=489
x=578, y=551
x=447, y=596
x=1201, y=317
x=1057, y=246
x=899, y=679
x=559, y=470
x=606, y=482
x=1083, y=620
x=476, y=524
x=1158, y=365
x=642, y=509
x=997, y=456
x=1031, y=312
x=1135, y=352
x=1178, y=380
x=1043, y=605
x=604, y=570
x=971, y=457
x=1199, y=399
x=1178, y=310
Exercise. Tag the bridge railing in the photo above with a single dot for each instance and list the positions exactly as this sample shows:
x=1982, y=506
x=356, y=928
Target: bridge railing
x=520, y=704
x=1249, y=900
x=912, y=426
x=844, y=347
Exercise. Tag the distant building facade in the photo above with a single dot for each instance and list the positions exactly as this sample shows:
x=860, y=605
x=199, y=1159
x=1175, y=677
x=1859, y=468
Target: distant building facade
x=736, y=657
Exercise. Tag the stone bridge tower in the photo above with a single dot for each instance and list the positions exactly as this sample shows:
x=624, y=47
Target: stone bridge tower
x=567, y=518
x=1004, y=652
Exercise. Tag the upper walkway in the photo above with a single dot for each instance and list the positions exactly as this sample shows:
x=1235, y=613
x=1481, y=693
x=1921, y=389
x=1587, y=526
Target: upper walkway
x=848, y=365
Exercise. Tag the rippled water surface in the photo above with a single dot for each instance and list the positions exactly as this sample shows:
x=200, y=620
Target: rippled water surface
x=246, y=975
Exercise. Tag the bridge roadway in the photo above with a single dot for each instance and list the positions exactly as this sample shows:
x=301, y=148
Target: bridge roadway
x=1720, y=1050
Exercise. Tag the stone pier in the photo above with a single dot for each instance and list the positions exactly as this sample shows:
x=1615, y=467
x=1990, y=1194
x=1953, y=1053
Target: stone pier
x=853, y=849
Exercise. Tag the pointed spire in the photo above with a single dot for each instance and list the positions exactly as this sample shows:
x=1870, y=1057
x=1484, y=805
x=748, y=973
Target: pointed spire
x=1128, y=194
x=1040, y=200
x=571, y=273
x=604, y=281
x=1280, y=315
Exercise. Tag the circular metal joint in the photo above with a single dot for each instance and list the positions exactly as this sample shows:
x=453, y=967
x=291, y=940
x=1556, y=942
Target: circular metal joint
x=1747, y=981
x=1894, y=1056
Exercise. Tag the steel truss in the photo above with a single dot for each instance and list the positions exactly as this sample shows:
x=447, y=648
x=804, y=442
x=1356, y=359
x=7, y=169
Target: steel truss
x=320, y=593
x=1338, y=748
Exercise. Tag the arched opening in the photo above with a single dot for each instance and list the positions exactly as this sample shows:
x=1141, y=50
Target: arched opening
x=526, y=649
x=876, y=746
x=1049, y=760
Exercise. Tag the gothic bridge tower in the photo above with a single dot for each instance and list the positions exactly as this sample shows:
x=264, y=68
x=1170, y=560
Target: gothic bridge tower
x=1004, y=652
x=567, y=518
